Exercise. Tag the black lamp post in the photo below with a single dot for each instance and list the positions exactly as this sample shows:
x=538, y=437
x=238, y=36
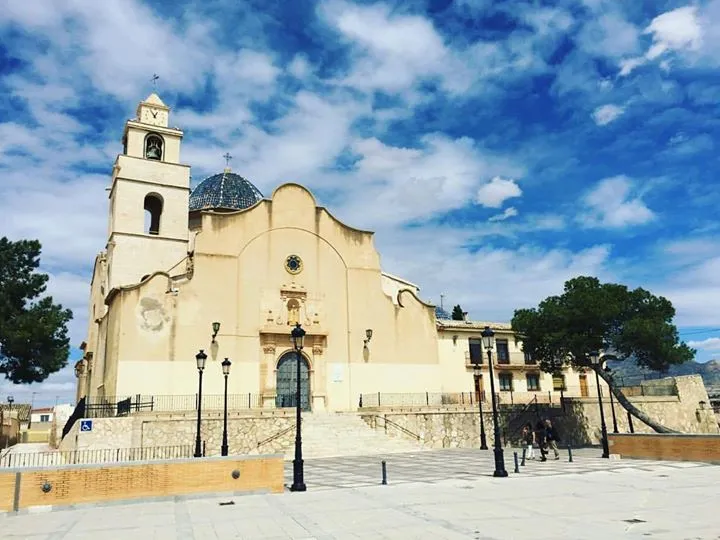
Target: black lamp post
x=298, y=335
x=488, y=337
x=11, y=400
x=226, y=371
x=595, y=359
x=200, y=359
x=481, y=393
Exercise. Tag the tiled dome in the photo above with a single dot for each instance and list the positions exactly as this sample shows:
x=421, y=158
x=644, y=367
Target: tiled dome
x=441, y=314
x=224, y=191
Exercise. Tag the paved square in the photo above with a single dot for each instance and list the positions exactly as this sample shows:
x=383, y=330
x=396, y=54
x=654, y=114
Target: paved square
x=442, y=494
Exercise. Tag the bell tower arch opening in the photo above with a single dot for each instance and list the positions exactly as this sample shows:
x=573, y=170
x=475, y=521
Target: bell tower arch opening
x=153, y=206
x=154, y=147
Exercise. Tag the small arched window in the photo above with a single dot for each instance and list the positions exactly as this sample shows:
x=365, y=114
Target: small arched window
x=153, y=147
x=153, y=210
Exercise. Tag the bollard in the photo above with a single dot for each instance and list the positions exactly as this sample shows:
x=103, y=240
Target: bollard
x=516, y=462
x=522, y=462
x=384, y=473
x=569, y=453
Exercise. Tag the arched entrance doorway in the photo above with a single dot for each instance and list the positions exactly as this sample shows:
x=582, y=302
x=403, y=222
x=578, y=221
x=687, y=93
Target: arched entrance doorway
x=286, y=383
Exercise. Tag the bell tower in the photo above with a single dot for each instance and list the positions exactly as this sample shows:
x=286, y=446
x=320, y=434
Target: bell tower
x=148, y=222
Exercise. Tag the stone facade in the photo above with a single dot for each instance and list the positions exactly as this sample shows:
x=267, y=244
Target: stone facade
x=578, y=421
x=247, y=433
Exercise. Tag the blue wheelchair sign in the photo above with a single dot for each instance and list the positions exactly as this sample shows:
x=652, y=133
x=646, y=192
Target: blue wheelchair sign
x=86, y=425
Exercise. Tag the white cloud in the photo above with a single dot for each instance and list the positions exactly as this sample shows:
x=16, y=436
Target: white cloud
x=709, y=344
x=496, y=192
x=611, y=205
x=674, y=30
x=679, y=30
x=607, y=113
x=507, y=214
x=395, y=51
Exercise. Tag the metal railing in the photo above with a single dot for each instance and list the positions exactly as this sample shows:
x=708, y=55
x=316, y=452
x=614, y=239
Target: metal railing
x=105, y=407
x=90, y=456
x=419, y=399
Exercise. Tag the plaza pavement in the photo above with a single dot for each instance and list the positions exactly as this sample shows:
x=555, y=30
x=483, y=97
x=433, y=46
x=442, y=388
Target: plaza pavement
x=443, y=494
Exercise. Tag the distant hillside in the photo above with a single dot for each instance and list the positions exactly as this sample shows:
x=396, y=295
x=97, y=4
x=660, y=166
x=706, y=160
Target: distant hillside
x=710, y=371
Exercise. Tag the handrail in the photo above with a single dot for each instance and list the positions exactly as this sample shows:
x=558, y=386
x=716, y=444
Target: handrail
x=519, y=415
x=397, y=426
x=276, y=436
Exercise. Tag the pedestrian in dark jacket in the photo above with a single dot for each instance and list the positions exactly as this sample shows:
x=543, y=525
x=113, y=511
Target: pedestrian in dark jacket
x=552, y=438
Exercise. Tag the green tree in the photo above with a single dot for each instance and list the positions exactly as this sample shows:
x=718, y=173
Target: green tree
x=457, y=313
x=593, y=316
x=33, y=331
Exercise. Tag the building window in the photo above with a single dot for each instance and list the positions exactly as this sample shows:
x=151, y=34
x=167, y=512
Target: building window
x=475, y=350
x=533, y=382
x=503, y=353
x=529, y=359
x=505, y=382
x=559, y=382
x=44, y=417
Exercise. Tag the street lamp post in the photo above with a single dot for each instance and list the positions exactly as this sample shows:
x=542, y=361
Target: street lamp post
x=481, y=393
x=226, y=371
x=298, y=335
x=595, y=359
x=200, y=360
x=10, y=401
x=488, y=337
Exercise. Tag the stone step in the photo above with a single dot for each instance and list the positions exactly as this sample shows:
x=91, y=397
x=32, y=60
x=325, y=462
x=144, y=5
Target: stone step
x=333, y=435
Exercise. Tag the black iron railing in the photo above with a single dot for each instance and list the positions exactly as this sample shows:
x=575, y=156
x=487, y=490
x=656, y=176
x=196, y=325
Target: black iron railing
x=419, y=399
x=111, y=406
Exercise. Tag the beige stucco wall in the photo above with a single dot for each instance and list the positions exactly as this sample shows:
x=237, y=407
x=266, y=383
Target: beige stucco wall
x=239, y=279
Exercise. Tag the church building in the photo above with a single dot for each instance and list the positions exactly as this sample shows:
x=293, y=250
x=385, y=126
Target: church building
x=230, y=271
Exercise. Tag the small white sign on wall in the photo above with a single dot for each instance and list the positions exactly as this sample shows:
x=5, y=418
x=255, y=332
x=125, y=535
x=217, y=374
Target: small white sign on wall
x=338, y=372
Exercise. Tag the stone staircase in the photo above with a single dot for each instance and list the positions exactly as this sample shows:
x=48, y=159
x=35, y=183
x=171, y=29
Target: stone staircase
x=346, y=434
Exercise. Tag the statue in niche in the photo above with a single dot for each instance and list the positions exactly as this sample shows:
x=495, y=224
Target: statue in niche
x=293, y=307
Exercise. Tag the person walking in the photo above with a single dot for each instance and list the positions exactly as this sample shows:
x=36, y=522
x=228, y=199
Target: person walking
x=552, y=438
x=540, y=439
x=528, y=438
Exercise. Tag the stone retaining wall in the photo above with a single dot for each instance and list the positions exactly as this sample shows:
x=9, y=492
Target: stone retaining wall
x=248, y=433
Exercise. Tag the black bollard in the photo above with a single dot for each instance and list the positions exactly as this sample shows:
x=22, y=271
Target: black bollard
x=522, y=462
x=516, y=462
x=384, y=473
x=569, y=453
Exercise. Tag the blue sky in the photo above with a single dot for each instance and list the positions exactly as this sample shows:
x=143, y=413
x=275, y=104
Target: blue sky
x=496, y=148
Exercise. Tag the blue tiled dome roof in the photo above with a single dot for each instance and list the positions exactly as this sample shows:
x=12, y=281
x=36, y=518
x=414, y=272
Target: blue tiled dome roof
x=224, y=191
x=440, y=313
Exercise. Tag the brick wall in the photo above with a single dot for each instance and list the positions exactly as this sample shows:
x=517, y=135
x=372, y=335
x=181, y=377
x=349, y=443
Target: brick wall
x=73, y=484
x=666, y=447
